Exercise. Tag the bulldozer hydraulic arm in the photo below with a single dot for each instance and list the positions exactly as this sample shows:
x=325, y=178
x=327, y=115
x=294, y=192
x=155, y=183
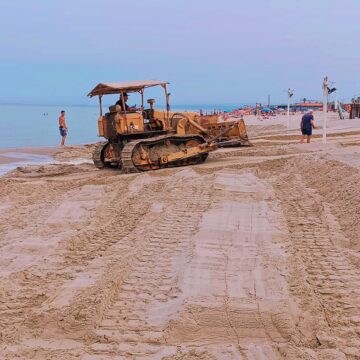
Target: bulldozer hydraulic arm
x=188, y=153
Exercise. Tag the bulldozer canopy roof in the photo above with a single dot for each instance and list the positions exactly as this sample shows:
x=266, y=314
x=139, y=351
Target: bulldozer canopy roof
x=129, y=86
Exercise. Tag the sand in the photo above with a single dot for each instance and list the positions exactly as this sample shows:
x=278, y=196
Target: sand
x=251, y=255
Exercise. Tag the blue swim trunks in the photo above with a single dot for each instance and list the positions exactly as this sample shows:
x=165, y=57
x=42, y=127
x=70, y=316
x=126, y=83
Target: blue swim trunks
x=63, y=131
x=306, y=131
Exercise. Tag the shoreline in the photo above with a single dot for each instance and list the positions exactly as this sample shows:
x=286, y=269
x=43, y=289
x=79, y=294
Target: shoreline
x=25, y=154
x=12, y=158
x=33, y=154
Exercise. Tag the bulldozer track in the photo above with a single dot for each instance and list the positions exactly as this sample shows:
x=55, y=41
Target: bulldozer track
x=127, y=153
x=126, y=157
x=97, y=155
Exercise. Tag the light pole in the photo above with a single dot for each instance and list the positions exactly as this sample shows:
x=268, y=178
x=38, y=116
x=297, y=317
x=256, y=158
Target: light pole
x=290, y=94
x=326, y=92
x=336, y=102
x=325, y=101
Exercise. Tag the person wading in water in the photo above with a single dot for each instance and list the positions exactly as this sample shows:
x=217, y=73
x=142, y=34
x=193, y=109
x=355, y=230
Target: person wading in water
x=63, y=127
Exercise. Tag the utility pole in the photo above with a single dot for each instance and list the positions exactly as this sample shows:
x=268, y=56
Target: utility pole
x=336, y=102
x=325, y=103
x=269, y=100
x=290, y=94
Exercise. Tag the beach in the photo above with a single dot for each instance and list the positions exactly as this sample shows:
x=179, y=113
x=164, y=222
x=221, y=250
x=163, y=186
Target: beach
x=253, y=254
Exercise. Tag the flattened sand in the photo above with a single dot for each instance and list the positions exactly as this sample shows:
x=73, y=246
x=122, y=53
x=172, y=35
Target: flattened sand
x=251, y=255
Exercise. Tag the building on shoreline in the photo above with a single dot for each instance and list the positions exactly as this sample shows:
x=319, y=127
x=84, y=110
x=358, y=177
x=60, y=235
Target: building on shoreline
x=307, y=105
x=303, y=106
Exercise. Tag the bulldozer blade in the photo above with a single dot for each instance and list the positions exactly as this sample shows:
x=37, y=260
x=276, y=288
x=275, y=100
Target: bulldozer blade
x=234, y=143
x=233, y=135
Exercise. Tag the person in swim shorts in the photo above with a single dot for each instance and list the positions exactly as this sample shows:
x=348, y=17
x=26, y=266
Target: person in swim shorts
x=63, y=128
x=306, y=125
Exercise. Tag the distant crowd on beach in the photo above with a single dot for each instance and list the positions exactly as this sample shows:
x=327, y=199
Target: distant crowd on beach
x=263, y=113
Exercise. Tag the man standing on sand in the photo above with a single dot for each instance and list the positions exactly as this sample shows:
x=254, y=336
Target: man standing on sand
x=62, y=127
x=307, y=124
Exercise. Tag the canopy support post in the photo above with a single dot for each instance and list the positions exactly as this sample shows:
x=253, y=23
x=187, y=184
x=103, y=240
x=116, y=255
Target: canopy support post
x=167, y=103
x=124, y=109
x=142, y=99
x=123, y=102
x=100, y=104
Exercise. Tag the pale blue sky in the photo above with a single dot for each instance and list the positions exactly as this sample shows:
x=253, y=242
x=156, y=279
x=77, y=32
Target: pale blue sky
x=54, y=52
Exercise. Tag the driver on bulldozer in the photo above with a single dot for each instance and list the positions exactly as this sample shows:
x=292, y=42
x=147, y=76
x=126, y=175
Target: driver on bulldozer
x=127, y=107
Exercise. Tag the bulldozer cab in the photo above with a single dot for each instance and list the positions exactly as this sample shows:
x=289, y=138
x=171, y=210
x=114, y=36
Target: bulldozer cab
x=119, y=122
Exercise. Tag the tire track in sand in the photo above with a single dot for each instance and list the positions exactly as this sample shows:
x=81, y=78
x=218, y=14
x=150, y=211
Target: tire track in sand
x=211, y=293
x=125, y=330
x=331, y=288
x=29, y=308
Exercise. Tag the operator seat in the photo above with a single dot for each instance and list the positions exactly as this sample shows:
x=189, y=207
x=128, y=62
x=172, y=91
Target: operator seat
x=117, y=109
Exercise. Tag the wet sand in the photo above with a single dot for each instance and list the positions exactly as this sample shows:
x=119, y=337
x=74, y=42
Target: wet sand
x=23, y=152
x=251, y=255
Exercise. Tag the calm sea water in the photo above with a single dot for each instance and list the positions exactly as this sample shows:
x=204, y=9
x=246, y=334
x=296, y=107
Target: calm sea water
x=29, y=126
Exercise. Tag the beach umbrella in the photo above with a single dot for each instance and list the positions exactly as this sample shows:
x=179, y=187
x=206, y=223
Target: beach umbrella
x=266, y=109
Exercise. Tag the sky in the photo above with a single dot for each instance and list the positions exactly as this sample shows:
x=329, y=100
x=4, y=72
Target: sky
x=211, y=52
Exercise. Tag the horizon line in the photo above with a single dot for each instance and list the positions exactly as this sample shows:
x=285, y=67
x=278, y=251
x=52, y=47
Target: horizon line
x=160, y=105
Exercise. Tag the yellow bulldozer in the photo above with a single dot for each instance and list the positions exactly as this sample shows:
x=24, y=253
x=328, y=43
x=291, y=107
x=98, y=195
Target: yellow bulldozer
x=142, y=139
x=225, y=133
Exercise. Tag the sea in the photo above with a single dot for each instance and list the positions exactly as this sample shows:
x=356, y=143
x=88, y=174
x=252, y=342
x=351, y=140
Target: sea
x=37, y=125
